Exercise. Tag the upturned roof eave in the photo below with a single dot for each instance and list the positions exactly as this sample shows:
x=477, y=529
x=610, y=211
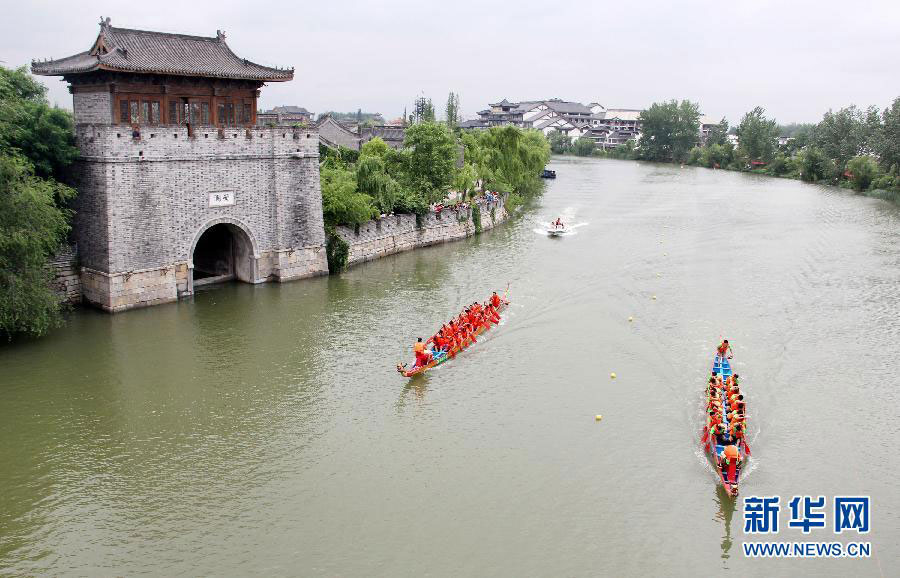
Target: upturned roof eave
x=51, y=71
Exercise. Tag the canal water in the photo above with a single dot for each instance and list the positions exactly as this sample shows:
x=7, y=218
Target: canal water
x=263, y=430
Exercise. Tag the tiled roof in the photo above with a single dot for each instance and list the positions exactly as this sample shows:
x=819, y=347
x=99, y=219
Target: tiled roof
x=142, y=51
x=504, y=102
x=289, y=110
x=564, y=107
x=328, y=119
x=560, y=122
x=385, y=132
x=622, y=113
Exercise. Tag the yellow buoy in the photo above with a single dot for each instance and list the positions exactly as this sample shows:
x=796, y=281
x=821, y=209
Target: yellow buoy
x=598, y=417
x=659, y=274
x=665, y=254
x=630, y=319
x=612, y=375
x=654, y=297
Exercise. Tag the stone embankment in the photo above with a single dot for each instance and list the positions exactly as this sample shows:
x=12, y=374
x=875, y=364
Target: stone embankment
x=373, y=239
x=66, y=275
x=396, y=233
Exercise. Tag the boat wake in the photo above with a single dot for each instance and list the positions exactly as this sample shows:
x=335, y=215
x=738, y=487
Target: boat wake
x=547, y=229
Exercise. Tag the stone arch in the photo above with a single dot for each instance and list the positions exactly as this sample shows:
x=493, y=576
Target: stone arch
x=228, y=250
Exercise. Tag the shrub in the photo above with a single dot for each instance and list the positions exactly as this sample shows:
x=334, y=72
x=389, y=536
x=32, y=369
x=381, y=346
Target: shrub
x=814, y=165
x=476, y=217
x=514, y=201
x=337, y=251
x=864, y=170
x=695, y=156
x=342, y=204
x=780, y=165
x=583, y=147
x=886, y=183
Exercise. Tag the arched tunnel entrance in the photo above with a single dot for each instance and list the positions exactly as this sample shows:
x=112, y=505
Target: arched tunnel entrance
x=223, y=253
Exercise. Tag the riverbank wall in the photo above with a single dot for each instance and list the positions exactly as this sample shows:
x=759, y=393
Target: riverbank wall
x=66, y=281
x=397, y=233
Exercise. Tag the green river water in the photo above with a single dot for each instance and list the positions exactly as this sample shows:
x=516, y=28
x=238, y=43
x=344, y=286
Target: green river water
x=263, y=430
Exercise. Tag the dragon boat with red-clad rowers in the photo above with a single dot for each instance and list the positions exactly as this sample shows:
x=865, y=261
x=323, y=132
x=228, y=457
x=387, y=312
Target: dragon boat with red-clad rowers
x=723, y=436
x=438, y=353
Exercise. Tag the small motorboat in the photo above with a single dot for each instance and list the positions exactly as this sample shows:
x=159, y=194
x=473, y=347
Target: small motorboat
x=557, y=231
x=548, y=174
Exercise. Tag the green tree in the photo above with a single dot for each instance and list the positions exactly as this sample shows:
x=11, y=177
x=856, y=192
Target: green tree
x=718, y=135
x=32, y=227
x=792, y=130
x=431, y=159
x=757, y=134
x=845, y=134
x=342, y=203
x=375, y=148
x=669, y=130
x=423, y=110
x=864, y=170
x=452, y=110
x=888, y=142
x=30, y=127
x=583, y=147
x=560, y=143
x=36, y=146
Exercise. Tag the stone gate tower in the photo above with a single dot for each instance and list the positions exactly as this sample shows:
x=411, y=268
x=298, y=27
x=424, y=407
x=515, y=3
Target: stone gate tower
x=177, y=187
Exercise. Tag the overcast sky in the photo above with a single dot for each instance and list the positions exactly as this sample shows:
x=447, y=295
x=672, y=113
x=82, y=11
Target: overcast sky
x=795, y=58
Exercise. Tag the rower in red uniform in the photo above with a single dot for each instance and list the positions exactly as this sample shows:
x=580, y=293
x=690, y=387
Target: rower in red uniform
x=730, y=459
x=724, y=348
x=423, y=356
x=495, y=299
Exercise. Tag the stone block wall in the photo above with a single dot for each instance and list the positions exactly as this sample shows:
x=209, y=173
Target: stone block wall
x=92, y=107
x=119, y=292
x=66, y=275
x=396, y=233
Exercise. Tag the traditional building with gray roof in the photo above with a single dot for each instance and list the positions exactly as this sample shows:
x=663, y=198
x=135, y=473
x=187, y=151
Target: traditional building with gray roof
x=176, y=186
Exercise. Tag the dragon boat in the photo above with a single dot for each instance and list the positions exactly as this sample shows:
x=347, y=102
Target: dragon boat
x=728, y=471
x=444, y=356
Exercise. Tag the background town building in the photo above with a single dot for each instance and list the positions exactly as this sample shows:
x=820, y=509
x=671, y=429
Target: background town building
x=284, y=115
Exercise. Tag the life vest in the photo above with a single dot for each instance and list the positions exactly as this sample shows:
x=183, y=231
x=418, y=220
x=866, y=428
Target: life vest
x=495, y=300
x=722, y=348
